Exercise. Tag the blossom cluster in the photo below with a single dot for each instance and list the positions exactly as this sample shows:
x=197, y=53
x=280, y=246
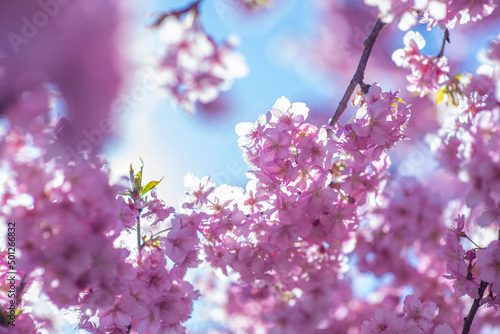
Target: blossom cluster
x=428, y=74
x=150, y=299
x=377, y=125
x=192, y=65
x=71, y=213
x=417, y=318
x=300, y=207
x=432, y=12
x=152, y=296
x=399, y=223
x=462, y=267
x=467, y=143
x=75, y=252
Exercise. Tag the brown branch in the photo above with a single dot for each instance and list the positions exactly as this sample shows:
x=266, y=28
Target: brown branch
x=178, y=13
x=446, y=38
x=473, y=309
x=360, y=71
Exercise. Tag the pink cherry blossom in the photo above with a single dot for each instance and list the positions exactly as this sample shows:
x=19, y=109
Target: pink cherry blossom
x=418, y=313
x=179, y=241
x=288, y=115
x=427, y=74
x=452, y=252
x=200, y=189
x=488, y=260
x=379, y=323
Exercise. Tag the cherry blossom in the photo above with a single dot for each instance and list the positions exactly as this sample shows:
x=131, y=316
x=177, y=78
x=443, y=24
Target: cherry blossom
x=428, y=74
x=193, y=66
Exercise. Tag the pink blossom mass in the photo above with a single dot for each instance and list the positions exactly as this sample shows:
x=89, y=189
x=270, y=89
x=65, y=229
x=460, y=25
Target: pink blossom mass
x=374, y=210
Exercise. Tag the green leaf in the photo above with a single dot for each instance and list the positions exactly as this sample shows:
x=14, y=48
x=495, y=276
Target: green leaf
x=150, y=186
x=138, y=178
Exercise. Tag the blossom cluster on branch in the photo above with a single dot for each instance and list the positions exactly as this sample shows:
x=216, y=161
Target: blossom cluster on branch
x=433, y=12
x=193, y=67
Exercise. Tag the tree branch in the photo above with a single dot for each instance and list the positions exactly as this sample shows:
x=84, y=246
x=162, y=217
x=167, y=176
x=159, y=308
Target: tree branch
x=360, y=71
x=177, y=13
x=473, y=309
x=446, y=38
x=157, y=233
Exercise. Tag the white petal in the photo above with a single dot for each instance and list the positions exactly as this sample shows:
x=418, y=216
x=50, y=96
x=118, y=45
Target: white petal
x=171, y=31
x=437, y=10
x=398, y=57
x=416, y=36
x=243, y=128
x=299, y=108
x=407, y=21
x=280, y=107
x=191, y=181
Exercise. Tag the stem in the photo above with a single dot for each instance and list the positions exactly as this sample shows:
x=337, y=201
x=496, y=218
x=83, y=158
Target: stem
x=473, y=309
x=360, y=71
x=139, y=245
x=165, y=230
x=472, y=242
x=446, y=38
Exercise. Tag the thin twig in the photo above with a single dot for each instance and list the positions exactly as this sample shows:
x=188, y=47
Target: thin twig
x=177, y=13
x=446, y=38
x=157, y=233
x=139, y=237
x=473, y=309
x=360, y=71
x=472, y=242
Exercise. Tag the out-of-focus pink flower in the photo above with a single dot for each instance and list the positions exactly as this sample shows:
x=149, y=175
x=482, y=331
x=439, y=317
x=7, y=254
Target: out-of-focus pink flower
x=195, y=68
x=72, y=45
x=418, y=313
x=180, y=241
